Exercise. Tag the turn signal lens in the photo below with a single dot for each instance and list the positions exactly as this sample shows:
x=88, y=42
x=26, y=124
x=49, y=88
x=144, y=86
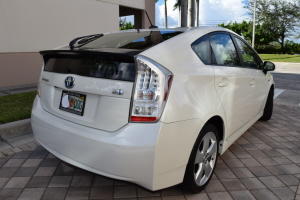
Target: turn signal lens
x=152, y=87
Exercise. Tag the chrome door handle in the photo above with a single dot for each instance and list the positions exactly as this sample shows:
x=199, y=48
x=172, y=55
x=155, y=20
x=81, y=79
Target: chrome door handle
x=223, y=84
x=252, y=82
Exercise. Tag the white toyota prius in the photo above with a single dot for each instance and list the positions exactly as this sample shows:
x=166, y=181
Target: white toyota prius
x=155, y=106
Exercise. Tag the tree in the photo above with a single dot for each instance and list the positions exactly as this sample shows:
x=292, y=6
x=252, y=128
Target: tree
x=242, y=29
x=279, y=18
x=191, y=13
x=182, y=6
x=166, y=13
x=124, y=25
x=245, y=30
x=197, y=11
x=177, y=5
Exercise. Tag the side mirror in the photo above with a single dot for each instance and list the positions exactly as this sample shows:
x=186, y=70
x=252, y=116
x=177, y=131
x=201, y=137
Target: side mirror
x=268, y=66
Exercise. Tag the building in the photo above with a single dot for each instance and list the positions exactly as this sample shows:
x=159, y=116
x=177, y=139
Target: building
x=29, y=26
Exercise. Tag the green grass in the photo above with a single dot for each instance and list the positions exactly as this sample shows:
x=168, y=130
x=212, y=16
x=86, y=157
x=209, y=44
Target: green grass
x=16, y=106
x=280, y=58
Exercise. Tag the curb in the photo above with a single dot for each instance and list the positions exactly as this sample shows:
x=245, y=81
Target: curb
x=15, y=129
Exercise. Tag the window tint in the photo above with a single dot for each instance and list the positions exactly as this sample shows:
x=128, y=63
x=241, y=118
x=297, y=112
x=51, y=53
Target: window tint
x=250, y=58
x=223, y=50
x=201, y=48
x=108, y=67
x=131, y=40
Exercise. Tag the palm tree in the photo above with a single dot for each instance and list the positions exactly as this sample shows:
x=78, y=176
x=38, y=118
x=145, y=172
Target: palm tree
x=166, y=14
x=177, y=5
x=197, y=8
x=191, y=13
x=182, y=6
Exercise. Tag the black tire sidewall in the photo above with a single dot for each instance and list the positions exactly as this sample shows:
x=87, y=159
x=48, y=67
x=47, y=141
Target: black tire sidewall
x=268, y=110
x=189, y=181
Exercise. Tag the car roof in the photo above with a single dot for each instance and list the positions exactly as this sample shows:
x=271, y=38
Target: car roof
x=202, y=30
x=180, y=29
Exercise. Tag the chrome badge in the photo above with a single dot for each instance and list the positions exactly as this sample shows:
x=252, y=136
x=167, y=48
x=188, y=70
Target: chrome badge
x=69, y=82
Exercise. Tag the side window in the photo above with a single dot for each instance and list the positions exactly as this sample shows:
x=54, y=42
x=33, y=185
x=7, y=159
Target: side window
x=250, y=58
x=223, y=50
x=201, y=48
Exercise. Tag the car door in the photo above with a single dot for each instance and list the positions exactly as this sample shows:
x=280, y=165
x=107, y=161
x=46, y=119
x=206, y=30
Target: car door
x=259, y=83
x=231, y=81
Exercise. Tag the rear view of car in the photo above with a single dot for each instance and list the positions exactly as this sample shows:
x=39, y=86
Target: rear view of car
x=93, y=102
x=155, y=107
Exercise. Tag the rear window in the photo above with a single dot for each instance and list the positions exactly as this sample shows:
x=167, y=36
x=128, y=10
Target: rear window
x=131, y=40
x=108, y=67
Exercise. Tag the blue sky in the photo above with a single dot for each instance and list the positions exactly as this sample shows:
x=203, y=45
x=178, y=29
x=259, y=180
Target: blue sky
x=212, y=12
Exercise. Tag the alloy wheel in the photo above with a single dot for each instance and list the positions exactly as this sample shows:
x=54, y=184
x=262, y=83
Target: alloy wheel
x=205, y=158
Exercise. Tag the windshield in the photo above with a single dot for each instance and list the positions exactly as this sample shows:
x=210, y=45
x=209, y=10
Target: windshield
x=131, y=40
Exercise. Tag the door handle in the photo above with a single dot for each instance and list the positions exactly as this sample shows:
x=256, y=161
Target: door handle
x=252, y=82
x=223, y=84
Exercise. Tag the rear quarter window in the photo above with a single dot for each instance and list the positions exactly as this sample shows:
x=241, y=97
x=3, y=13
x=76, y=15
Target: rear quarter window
x=202, y=49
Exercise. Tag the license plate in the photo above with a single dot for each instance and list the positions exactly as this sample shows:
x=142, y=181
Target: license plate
x=72, y=102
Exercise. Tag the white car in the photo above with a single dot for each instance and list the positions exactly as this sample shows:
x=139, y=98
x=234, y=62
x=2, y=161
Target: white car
x=154, y=107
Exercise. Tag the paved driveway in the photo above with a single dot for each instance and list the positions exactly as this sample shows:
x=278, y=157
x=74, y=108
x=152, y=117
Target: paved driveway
x=263, y=164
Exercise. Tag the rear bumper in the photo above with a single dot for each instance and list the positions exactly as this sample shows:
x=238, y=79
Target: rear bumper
x=140, y=153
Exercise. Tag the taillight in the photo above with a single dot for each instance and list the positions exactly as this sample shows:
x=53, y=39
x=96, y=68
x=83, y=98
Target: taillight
x=151, y=91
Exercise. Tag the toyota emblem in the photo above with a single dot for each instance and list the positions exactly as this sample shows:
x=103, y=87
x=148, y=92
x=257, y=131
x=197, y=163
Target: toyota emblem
x=69, y=82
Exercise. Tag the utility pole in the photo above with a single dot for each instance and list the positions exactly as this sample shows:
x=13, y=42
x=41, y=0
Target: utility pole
x=253, y=31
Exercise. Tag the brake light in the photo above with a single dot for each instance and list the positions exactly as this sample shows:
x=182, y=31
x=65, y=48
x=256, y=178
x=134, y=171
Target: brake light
x=151, y=91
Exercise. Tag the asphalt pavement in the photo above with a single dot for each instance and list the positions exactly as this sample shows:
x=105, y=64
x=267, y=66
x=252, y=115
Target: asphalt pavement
x=287, y=83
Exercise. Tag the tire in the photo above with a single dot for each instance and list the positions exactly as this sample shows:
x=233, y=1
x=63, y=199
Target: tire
x=202, y=161
x=268, y=107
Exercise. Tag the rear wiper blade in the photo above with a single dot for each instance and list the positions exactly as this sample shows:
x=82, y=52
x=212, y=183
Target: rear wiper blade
x=84, y=40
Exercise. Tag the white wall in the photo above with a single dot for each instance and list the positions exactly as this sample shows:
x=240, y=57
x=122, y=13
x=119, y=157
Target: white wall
x=139, y=4
x=34, y=25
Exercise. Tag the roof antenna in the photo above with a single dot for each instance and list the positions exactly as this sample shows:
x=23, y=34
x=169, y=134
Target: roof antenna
x=152, y=26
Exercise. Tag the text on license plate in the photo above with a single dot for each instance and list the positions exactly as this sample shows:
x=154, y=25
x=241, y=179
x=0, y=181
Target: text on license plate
x=72, y=102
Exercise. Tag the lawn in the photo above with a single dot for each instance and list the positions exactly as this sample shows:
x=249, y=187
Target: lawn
x=280, y=58
x=16, y=106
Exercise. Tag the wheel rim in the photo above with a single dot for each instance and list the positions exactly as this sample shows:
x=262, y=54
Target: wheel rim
x=205, y=158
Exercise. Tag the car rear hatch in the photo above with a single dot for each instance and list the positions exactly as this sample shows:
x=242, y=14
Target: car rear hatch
x=91, y=81
x=89, y=88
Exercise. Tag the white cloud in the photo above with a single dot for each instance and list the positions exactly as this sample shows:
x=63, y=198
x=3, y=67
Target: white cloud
x=212, y=12
x=172, y=15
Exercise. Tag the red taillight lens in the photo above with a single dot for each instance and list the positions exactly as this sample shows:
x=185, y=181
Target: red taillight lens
x=151, y=91
x=142, y=119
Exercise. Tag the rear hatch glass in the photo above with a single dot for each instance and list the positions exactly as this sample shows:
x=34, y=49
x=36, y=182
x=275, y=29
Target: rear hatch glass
x=100, y=92
x=131, y=40
x=98, y=66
